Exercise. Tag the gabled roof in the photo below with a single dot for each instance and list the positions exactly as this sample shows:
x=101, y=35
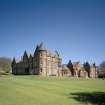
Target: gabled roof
x=64, y=67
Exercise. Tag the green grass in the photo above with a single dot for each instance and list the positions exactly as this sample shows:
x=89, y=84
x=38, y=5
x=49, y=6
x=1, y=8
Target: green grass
x=36, y=90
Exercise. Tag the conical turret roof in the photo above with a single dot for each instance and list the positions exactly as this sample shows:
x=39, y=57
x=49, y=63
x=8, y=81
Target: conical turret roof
x=41, y=46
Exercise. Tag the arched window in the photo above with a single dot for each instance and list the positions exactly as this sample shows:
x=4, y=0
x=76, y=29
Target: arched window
x=41, y=70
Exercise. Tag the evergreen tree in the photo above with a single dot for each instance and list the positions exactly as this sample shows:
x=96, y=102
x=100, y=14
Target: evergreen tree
x=87, y=68
x=13, y=62
x=70, y=66
x=94, y=65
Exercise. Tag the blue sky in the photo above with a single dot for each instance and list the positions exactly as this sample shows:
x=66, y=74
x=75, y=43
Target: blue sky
x=76, y=28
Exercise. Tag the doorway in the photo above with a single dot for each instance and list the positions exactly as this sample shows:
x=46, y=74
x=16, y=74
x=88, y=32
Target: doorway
x=27, y=71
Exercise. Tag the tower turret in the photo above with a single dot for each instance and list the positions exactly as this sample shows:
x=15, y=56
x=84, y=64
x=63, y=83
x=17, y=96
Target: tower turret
x=25, y=60
x=42, y=59
x=30, y=62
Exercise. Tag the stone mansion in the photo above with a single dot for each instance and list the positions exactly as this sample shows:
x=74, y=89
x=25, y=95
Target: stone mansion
x=46, y=63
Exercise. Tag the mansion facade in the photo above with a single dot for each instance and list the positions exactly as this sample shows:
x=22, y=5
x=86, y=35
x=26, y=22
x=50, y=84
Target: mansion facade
x=46, y=63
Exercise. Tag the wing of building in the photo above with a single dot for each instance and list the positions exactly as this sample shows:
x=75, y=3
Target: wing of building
x=42, y=62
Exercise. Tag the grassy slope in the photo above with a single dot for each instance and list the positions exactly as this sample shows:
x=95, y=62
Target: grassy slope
x=33, y=90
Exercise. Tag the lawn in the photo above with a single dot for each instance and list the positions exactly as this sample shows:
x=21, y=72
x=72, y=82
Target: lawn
x=36, y=90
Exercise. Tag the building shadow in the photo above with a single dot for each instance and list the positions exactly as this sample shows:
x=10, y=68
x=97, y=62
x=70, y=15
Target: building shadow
x=95, y=98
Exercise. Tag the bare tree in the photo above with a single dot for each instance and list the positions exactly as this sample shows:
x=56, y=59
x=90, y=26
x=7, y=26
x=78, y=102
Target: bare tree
x=101, y=71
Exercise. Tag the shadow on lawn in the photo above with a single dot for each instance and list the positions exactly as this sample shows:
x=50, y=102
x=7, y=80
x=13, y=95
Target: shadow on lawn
x=95, y=98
